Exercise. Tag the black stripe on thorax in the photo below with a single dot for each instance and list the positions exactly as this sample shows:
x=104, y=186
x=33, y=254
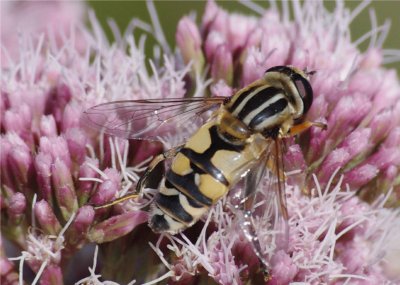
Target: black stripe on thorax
x=268, y=112
x=257, y=100
x=241, y=97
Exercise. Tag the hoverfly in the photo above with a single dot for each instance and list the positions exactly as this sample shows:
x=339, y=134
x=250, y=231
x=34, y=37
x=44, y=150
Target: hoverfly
x=240, y=142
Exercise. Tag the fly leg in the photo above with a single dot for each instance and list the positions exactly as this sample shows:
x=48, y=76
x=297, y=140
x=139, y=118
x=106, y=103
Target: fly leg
x=267, y=205
x=297, y=129
x=250, y=233
x=142, y=181
x=246, y=206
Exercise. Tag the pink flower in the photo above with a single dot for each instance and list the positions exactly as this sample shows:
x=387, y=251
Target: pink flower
x=53, y=19
x=54, y=170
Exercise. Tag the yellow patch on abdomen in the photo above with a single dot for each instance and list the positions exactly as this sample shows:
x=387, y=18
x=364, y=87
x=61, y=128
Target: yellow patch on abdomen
x=201, y=140
x=181, y=165
x=211, y=188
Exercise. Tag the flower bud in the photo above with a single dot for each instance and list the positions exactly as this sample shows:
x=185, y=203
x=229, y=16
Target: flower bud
x=381, y=125
x=105, y=193
x=20, y=161
x=18, y=120
x=64, y=189
x=388, y=93
x=336, y=159
x=239, y=29
x=213, y=41
x=366, y=82
x=210, y=14
x=189, y=42
x=318, y=109
x=393, y=139
x=71, y=116
x=107, y=190
x=6, y=174
x=57, y=147
x=222, y=65
x=347, y=113
x=116, y=226
x=276, y=46
x=253, y=66
x=16, y=207
x=85, y=187
x=43, y=175
x=360, y=175
x=385, y=157
x=76, y=140
x=58, y=98
x=357, y=142
x=83, y=220
x=113, y=175
x=48, y=127
x=46, y=218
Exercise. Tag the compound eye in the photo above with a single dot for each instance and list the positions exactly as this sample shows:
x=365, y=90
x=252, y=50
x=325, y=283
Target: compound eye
x=305, y=91
x=299, y=79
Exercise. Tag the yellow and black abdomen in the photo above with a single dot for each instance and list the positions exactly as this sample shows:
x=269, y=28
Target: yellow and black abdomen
x=221, y=152
x=201, y=173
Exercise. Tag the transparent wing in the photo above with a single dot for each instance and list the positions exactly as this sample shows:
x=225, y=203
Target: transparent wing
x=264, y=218
x=152, y=119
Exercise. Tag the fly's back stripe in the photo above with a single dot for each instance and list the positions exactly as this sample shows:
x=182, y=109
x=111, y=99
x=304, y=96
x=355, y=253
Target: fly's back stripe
x=241, y=97
x=174, y=208
x=256, y=100
x=273, y=109
x=203, y=160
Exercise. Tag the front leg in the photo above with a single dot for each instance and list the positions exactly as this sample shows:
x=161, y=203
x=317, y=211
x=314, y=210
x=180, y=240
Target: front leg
x=297, y=129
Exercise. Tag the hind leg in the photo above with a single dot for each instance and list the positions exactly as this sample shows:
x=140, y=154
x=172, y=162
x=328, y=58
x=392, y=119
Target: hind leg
x=142, y=181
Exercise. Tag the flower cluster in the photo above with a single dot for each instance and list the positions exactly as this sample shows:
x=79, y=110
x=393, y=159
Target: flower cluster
x=353, y=94
x=53, y=170
x=358, y=153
